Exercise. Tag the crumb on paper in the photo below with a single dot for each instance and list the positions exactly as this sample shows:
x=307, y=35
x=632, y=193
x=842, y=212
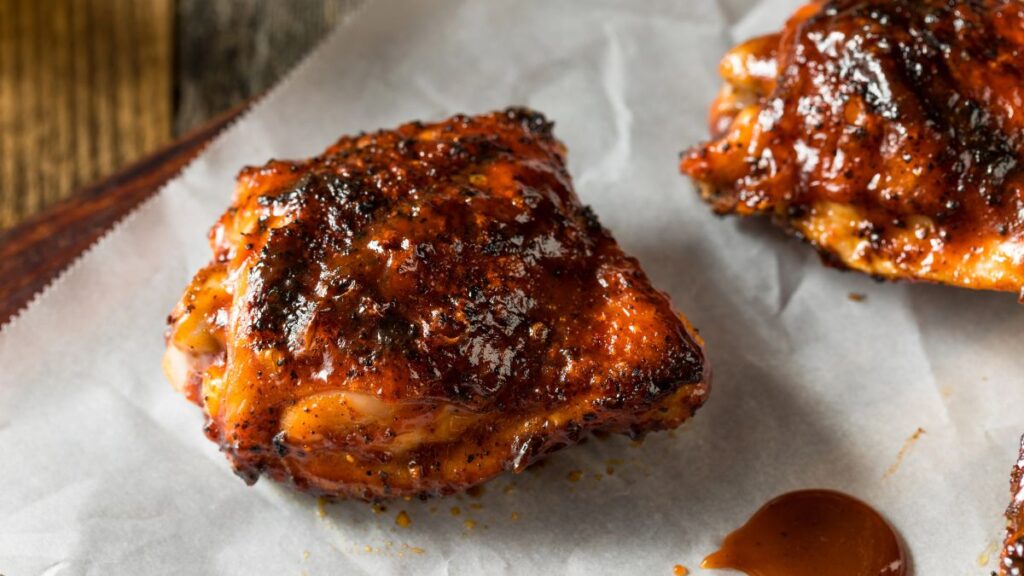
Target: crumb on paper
x=857, y=297
x=609, y=470
x=510, y=488
x=986, y=555
x=903, y=452
x=456, y=511
x=403, y=520
x=476, y=505
x=379, y=508
x=679, y=570
x=574, y=475
x=321, y=507
x=305, y=554
x=469, y=524
x=515, y=516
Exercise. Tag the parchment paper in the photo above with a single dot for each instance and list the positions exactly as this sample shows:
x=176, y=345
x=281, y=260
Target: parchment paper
x=105, y=470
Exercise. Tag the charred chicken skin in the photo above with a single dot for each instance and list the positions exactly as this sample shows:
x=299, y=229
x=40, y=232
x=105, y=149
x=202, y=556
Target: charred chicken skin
x=890, y=135
x=417, y=310
x=887, y=133
x=1011, y=561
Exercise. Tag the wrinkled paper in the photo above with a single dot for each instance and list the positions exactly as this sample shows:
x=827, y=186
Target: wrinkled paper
x=104, y=468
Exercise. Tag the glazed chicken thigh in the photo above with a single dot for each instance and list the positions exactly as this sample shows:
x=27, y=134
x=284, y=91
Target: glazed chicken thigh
x=890, y=135
x=417, y=310
x=887, y=133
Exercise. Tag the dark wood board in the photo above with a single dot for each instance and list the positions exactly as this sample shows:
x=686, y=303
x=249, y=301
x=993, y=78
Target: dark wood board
x=37, y=250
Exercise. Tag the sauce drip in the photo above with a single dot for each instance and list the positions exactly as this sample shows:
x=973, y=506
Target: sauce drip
x=810, y=533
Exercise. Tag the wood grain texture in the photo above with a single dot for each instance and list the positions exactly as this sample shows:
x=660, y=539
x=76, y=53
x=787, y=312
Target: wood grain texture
x=85, y=87
x=33, y=253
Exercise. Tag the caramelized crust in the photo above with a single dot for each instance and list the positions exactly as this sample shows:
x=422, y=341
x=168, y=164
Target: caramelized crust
x=887, y=133
x=1011, y=561
x=416, y=310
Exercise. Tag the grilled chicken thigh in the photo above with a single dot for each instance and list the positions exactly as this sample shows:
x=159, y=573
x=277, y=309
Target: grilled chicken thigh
x=887, y=133
x=417, y=310
x=890, y=135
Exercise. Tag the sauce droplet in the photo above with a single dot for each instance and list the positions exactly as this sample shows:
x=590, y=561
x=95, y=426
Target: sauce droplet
x=809, y=533
x=403, y=520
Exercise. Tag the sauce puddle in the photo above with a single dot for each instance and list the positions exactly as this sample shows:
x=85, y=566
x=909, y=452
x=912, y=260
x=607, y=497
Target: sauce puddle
x=811, y=533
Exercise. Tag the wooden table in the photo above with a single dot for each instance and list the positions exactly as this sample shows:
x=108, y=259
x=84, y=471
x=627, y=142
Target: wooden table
x=89, y=86
x=92, y=94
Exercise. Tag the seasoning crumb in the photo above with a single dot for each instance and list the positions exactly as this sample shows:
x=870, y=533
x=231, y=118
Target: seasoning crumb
x=379, y=508
x=476, y=505
x=368, y=548
x=986, y=555
x=609, y=470
x=515, y=516
x=679, y=570
x=510, y=488
x=857, y=297
x=417, y=550
x=305, y=554
x=321, y=507
x=469, y=524
x=403, y=520
x=456, y=511
x=575, y=475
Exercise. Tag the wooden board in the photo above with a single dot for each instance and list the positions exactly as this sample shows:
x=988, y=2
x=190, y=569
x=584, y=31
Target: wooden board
x=85, y=88
x=33, y=253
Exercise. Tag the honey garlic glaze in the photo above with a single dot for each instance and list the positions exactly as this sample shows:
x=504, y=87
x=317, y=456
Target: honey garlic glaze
x=813, y=533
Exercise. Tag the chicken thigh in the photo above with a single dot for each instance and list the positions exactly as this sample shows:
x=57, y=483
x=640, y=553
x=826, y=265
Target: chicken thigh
x=416, y=310
x=887, y=133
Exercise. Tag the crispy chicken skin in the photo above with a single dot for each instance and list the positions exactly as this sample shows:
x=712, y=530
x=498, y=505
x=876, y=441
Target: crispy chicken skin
x=417, y=310
x=890, y=135
x=887, y=133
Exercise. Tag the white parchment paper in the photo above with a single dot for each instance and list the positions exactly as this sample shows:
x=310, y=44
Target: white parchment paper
x=105, y=470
